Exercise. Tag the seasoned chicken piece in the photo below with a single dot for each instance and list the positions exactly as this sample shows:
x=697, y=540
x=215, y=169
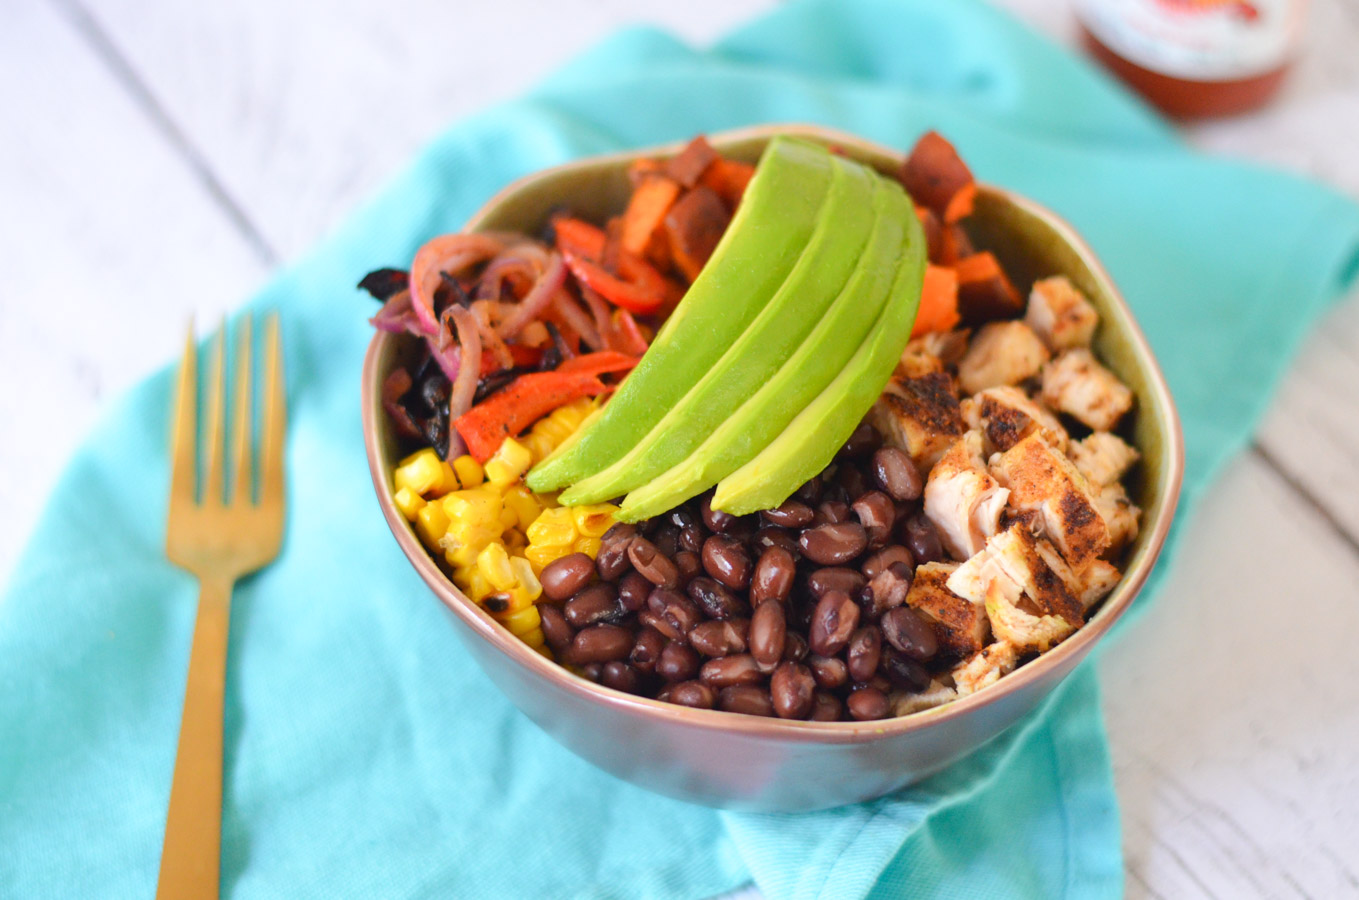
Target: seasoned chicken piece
x=1001, y=353
x=1119, y=513
x=1060, y=315
x=963, y=499
x=946, y=346
x=1043, y=480
x=1091, y=585
x=961, y=625
x=919, y=415
x=1027, y=602
x=937, y=694
x=1102, y=458
x=1075, y=383
x=918, y=365
x=1006, y=415
x=985, y=667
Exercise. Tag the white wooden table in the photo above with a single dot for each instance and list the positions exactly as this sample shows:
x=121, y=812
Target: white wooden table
x=235, y=134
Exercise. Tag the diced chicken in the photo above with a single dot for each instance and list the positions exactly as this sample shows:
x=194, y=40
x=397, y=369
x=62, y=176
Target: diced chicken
x=1027, y=602
x=985, y=667
x=1075, y=383
x=918, y=365
x=946, y=346
x=963, y=499
x=937, y=694
x=1006, y=415
x=1060, y=315
x=1103, y=458
x=1119, y=513
x=1041, y=479
x=919, y=415
x=1091, y=585
x=961, y=625
x=1001, y=353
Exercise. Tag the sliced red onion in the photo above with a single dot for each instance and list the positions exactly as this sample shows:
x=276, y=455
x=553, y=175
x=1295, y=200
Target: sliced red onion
x=448, y=253
x=529, y=260
x=575, y=317
x=394, y=387
x=600, y=311
x=397, y=315
x=537, y=300
x=469, y=368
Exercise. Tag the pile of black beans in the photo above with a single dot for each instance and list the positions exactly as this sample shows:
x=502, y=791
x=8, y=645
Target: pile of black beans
x=797, y=612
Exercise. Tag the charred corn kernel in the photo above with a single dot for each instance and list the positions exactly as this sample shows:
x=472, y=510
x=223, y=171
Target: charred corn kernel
x=588, y=545
x=527, y=578
x=478, y=505
x=469, y=471
x=421, y=472
x=594, y=520
x=409, y=502
x=540, y=557
x=554, y=527
x=520, y=499
x=522, y=621
x=518, y=599
x=431, y=523
x=509, y=463
x=494, y=563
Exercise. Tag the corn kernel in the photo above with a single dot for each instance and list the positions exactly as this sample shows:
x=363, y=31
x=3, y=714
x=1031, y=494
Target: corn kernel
x=541, y=649
x=543, y=556
x=589, y=546
x=478, y=588
x=535, y=638
x=594, y=520
x=431, y=523
x=515, y=542
x=509, y=462
x=469, y=472
x=553, y=526
x=477, y=505
x=520, y=499
x=539, y=445
x=522, y=621
x=527, y=578
x=420, y=472
x=553, y=429
x=408, y=502
x=494, y=563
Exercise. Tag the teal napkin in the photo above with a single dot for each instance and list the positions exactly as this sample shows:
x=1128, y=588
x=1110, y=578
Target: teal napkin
x=367, y=756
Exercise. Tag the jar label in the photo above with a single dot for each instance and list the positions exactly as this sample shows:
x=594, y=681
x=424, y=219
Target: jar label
x=1198, y=40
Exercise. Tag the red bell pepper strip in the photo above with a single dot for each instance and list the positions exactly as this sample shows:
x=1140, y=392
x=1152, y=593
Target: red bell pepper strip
x=526, y=357
x=524, y=401
x=599, y=363
x=629, y=336
x=637, y=287
x=579, y=237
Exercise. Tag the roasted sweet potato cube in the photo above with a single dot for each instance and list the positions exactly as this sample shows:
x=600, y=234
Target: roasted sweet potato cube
x=692, y=161
x=984, y=291
x=934, y=175
x=694, y=225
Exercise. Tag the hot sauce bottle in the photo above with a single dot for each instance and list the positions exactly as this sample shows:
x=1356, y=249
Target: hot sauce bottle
x=1195, y=58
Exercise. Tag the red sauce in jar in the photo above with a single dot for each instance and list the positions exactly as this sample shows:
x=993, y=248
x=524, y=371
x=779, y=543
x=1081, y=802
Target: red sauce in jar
x=1196, y=58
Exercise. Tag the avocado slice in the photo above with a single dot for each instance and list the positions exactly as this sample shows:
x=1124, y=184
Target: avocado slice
x=843, y=230
x=813, y=437
x=822, y=355
x=764, y=241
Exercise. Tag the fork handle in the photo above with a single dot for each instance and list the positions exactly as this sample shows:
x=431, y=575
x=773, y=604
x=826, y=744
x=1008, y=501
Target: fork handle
x=190, y=857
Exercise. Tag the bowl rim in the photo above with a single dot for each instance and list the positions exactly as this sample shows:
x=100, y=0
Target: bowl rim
x=800, y=731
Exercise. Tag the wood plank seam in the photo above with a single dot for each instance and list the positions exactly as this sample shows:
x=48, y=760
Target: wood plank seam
x=1322, y=511
x=89, y=30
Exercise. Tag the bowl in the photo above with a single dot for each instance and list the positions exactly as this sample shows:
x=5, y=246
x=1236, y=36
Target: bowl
x=748, y=762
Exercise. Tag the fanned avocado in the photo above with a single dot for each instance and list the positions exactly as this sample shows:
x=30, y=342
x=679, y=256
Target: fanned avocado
x=844, y=226
x=811, y=440
x=806, y=373
x=760, y=247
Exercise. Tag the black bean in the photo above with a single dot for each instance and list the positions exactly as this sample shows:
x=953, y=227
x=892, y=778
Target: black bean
x=647, y=559
x=689, y=565
x=795, y=647
x=890, y=588
x=826, y=708
x=896, y=474
x=863, y=441
x=774, y=575
x=681, y=517
x=620, y=676
x=720, y=638
x=691, y=538
x=853, y=481
x=738, y=669
x=831, y=512
x=831, y=545
x=904, y=672
x=600, y=643
x=793, y=690
x=666, y=540
x=646, y=650
x=773, y=536
x=809, y=493
x=876, y=513
x=695, y=694
x=789, y=514
x=556, y=629
x=768, y=631
x=879, y=561
x=716, y=599
x=591, y=671
x=864, y=652
x=562, y=578
x=679, y=614
x=715, y=519
x=726, y=559
x=830, y=672
x=593, y=604
x=906, y=630
x=921, y=537
x=633, y=590
x=750, y=699
x=833, y=621
x=612, y=560
x=867, y=703
x=834, y=578
x=677, y=662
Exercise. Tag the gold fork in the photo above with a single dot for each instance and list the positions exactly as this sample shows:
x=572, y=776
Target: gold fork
x=219, y=539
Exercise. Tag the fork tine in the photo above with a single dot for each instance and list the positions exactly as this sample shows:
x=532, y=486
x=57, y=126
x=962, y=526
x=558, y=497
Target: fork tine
x=241, y=480
x=183, y=439
x=212, y=488
x=275, y=417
